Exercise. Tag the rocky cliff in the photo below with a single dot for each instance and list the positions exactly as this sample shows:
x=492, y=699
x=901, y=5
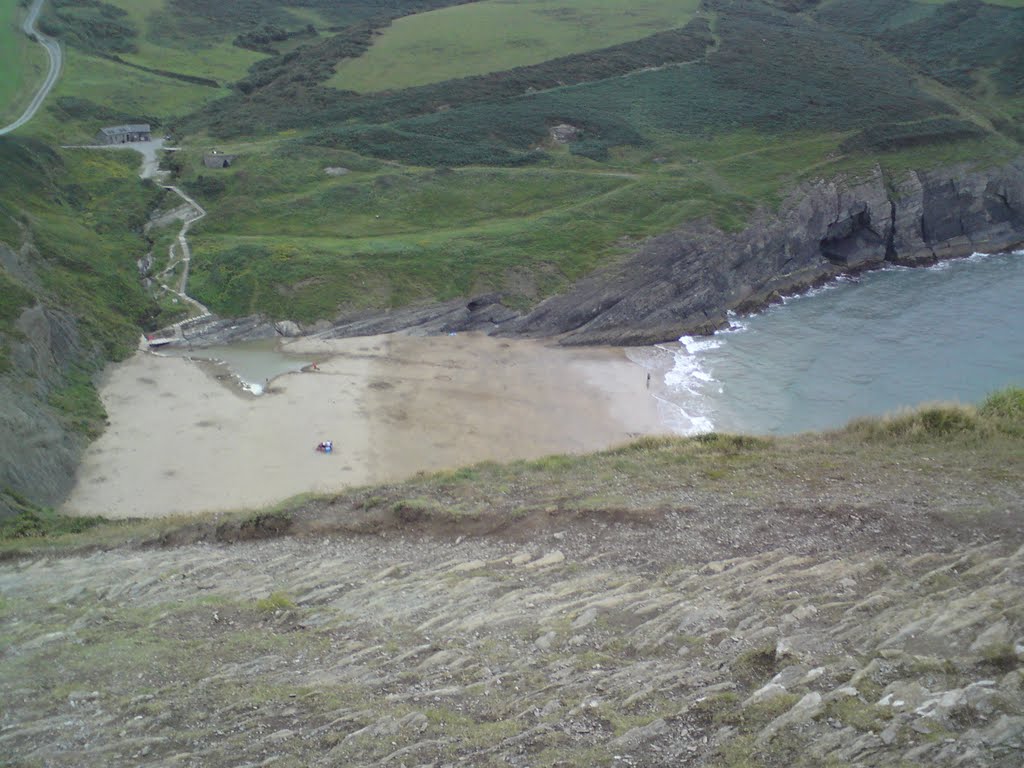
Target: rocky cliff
x=38, y=452
x=686, y=281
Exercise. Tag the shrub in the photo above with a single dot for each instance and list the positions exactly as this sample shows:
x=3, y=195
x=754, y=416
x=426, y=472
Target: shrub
x=35, y=522
x=928, y=421
x=276, y=602
x=93, y=26
x=1005, y=404
x=756, y=666
x=415, y=510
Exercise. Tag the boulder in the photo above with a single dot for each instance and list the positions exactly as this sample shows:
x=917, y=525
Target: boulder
x=287, y=328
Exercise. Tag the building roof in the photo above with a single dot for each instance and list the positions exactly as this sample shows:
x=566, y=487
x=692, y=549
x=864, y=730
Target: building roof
x=117, y=130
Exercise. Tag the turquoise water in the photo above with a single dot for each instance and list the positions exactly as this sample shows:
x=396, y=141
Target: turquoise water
x=890, y=339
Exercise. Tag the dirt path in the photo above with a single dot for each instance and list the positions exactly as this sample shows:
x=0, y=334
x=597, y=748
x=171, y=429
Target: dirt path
x=56, y=60
x=150, y=169
x=181, y=291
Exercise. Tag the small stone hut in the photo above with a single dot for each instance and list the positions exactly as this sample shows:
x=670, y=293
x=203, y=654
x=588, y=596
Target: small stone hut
x=123, y=134
x=217, y=160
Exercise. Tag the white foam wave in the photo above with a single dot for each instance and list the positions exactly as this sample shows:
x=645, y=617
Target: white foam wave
x=703, y=344
x=681, y=422
x=829, y=286
x=684, y=401
x=688, y=374
x=736, y=324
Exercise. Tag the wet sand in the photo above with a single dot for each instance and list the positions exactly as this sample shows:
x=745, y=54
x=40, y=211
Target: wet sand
x=182, y=441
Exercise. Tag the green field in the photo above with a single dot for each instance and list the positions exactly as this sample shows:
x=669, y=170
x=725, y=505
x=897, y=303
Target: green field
x=12, y=63
x=440, y=203
x=283, y=237
x=212, y=56
x=22, y=62
x=496, y=35
x=92, y=92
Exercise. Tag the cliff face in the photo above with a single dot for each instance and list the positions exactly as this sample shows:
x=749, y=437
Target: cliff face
x=686, y=281
x=38, y=453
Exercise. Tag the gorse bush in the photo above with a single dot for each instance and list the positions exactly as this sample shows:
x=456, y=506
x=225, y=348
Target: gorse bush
x=276, y=602
x=925, y=422
x=92, y=26
x=940, y=420
x=1005, y=404
x=1003, y=411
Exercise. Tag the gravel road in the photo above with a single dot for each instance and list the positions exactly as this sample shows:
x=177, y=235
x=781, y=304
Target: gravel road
x=56, y=60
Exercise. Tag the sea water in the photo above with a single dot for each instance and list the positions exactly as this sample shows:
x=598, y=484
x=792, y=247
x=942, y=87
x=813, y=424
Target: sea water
x=890, y=339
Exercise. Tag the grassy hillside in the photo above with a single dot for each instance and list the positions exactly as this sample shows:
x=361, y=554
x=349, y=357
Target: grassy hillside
x=493, y=36
x=456, y=185
x=966, y=459
x=22, y=61
x=712, y=119
x=83, y=215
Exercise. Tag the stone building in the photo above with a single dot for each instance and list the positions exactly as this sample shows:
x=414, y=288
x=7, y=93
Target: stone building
x=218, y=160
x=123, y=134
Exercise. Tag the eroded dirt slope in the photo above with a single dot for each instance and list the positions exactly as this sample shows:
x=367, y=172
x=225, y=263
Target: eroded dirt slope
x=577, y=649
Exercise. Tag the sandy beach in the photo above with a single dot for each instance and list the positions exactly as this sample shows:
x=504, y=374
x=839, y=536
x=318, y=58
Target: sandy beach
x=182, y=441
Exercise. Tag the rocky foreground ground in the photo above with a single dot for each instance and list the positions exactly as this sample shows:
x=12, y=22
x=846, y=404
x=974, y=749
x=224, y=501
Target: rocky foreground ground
x=832, y=601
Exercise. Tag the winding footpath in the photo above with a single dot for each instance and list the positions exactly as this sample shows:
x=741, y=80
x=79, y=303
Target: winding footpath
x=186, y=259
x=56, y=60
x=150, y=169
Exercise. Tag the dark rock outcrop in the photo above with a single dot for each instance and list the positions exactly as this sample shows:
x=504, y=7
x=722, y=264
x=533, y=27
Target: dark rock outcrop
x=686, y=282
x=38, y=453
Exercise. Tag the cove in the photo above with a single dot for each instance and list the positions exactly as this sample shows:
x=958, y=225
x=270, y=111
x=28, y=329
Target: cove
x=889, y=339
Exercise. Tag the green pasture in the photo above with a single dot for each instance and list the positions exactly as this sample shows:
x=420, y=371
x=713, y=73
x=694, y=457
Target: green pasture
x=430, y=238
x=23, y=63
x=210, y=56
x=116, y=93
x=220, y=61
x=496, y=35
x=401, y=202
x=283, y=237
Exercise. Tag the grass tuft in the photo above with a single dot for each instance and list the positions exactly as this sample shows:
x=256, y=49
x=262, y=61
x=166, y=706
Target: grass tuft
x=1006, y=404
x=275, y=602
x=937, y=420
